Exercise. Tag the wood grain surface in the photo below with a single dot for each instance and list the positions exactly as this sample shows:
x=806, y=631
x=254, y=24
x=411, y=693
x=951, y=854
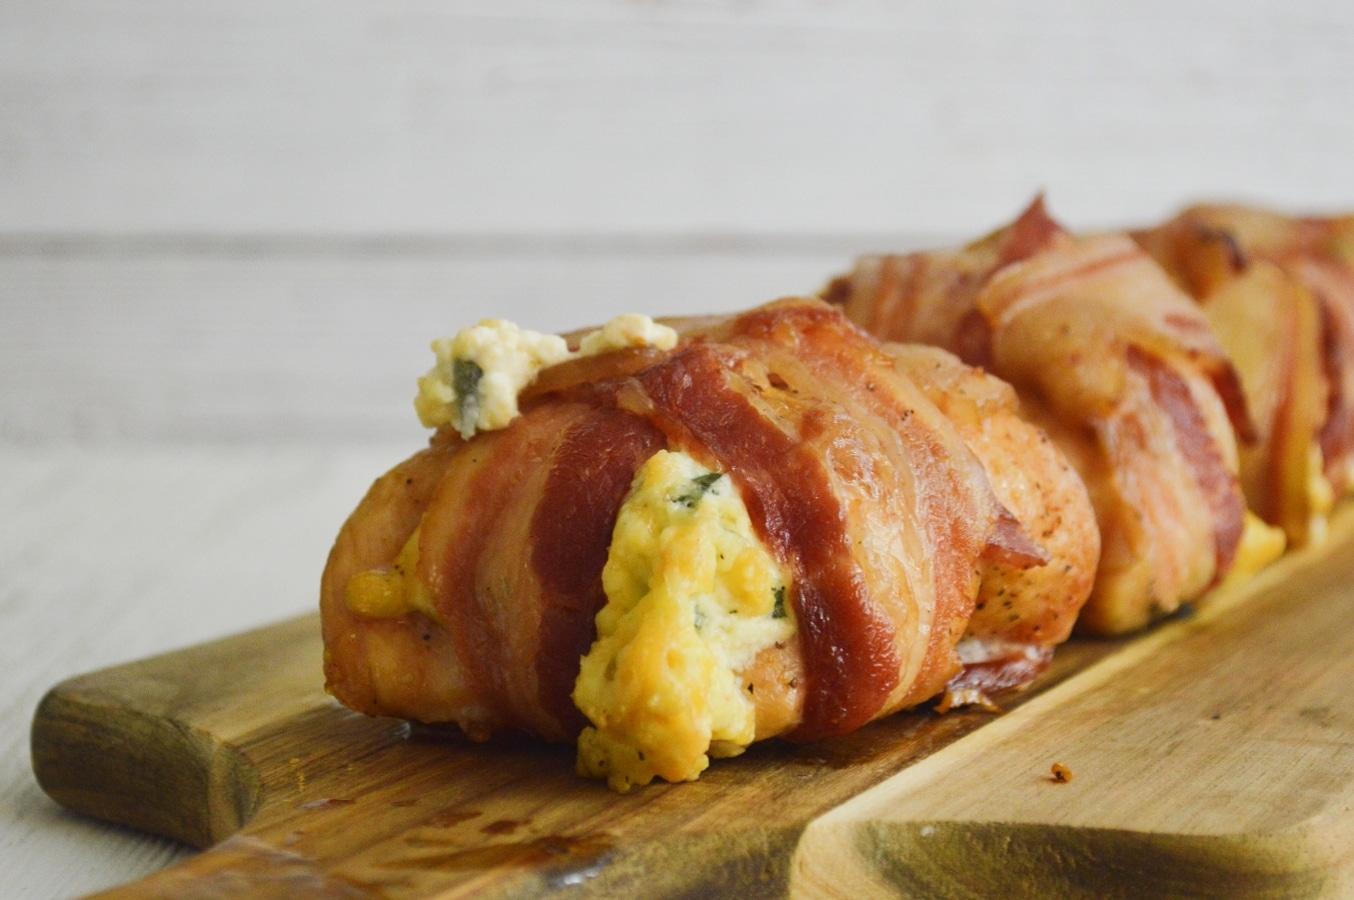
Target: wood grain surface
x=195, y=744
x=116, y=553
x=1210, y=757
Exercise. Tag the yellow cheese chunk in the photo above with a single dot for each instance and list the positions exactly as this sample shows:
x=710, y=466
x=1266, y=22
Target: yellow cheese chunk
x=392, y=591
x=692, y=597
x=1260, y=545
x=1320, y=497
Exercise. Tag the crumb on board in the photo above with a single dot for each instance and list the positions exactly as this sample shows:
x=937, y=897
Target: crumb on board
x=1061, y=773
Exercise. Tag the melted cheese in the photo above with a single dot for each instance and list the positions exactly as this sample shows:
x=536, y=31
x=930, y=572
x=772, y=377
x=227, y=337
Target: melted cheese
x=692, y=597
x=391, y=591
x=1320, y=497
x=480, y=372
x=627, y=330
x=1260, y=545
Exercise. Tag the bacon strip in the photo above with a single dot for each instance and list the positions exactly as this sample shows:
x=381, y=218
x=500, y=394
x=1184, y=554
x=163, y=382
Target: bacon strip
x=848, y=644
x=1333, y=286
x=373, y=663
x=1021, y=604
x=570, y=535
x=1281, y=291
x=472, y=539
x=1060, y=318
x=1172, y=393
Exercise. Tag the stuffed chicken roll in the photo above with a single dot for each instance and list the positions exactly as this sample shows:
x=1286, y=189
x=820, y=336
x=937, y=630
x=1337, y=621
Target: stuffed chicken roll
x=668, y=542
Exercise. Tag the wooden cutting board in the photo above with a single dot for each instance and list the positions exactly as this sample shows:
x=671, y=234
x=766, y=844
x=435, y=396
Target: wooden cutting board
x=1213, y=756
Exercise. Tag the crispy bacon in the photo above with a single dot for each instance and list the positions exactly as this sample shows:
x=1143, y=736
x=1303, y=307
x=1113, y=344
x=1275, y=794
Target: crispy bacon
x=570, y=535
x=853, y=477
x=1333, y=286
x=933, y=495
x=1071, y=323
x=408, y=663
x=992, y=665
x=1018, y=603
x=1272, y=269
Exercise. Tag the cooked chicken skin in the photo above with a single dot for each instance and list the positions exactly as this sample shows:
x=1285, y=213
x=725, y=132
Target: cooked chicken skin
x=406, y=663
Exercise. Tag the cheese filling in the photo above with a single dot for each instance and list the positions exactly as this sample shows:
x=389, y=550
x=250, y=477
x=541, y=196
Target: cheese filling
x=1320, y=496
x=479, y=372
x=1260, y=545
x=692, y=597
x=391, y=591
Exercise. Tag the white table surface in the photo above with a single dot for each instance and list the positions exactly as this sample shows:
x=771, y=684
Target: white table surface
x=115, y=553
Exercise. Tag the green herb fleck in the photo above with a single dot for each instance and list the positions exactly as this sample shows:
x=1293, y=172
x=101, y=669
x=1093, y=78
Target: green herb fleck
x=778, y=612
x=465, y=381
x=700, y=485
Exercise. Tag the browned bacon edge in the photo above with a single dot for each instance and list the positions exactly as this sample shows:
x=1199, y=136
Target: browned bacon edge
x=570, y=538
x=847, y=644
x=1016, y=666
x=1227, y=507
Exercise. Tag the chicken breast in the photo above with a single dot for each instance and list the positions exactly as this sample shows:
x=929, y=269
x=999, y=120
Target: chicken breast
x=1021, y=611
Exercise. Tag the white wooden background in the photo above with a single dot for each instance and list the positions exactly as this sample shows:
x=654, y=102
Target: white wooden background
x=228, y=231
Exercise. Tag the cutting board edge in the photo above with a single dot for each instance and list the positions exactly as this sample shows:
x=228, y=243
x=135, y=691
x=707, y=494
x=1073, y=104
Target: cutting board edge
x=952, y=859
x=100, y=755
x=880, y=849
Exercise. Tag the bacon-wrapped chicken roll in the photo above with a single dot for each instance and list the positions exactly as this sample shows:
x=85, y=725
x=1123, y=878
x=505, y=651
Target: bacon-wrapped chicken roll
x=768, y=529
x=1280, y=294
x=1021, y=611
x=1117, y=364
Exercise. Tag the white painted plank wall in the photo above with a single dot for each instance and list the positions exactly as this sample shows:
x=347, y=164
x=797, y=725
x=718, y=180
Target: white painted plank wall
x=155, y=344
x=245, y=220
x=509, y=116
